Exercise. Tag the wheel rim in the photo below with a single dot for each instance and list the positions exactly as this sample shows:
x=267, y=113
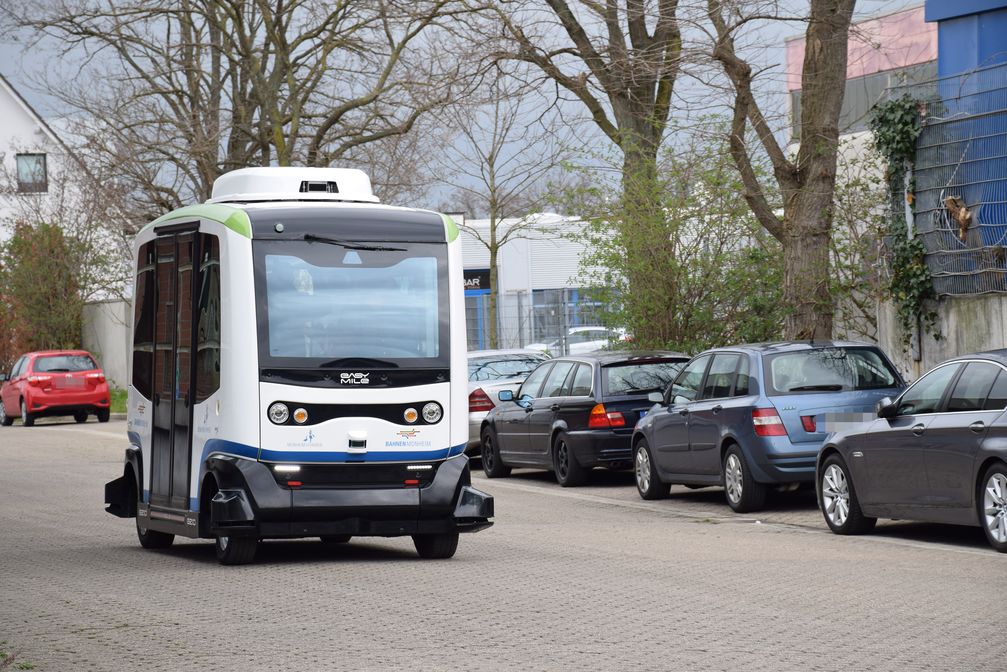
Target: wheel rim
x=562, y=460
x=24, y=412
x=642, y=469
x=733, y=477
x=995, y=507
x=223, y=541
x=836, y=495
x=3, y=412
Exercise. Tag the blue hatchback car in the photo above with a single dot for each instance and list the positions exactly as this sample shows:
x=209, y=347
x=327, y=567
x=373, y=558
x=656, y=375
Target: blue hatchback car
x=750, y=417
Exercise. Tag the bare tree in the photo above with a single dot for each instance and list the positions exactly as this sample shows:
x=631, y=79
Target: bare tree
x=806, y=182
x=178, y=93
x=619, y=61
x=502, y=161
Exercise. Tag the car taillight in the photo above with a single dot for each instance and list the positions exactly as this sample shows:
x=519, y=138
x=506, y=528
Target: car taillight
x=602, y=419
x=96, y=378
x=810, y=426
x=479, y=401
x=40, y=381
x=767, y=422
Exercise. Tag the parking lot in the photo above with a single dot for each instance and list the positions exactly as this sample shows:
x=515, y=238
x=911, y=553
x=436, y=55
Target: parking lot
x=585, y=578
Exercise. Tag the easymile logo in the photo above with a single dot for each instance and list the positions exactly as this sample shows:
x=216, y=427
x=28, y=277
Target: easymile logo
x=354, y=379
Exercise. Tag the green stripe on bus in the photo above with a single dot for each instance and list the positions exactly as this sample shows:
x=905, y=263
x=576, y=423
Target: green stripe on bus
x=235, y=219
x=450, y=228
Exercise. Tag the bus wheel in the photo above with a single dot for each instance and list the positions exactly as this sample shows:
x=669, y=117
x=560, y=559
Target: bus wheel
x=436, y=546
x=152, y=539
x=236, y=550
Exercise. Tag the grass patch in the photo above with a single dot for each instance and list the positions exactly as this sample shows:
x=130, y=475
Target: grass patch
x=8, y=659
x=118, y=399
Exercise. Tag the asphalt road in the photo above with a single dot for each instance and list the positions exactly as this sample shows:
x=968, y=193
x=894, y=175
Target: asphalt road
x=584, y=579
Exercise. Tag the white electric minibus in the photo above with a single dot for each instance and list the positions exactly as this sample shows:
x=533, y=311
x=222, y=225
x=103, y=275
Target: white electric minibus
x=298, y=370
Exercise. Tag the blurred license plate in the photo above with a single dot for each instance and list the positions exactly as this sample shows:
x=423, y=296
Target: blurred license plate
x=69, y=382
x=840, y=422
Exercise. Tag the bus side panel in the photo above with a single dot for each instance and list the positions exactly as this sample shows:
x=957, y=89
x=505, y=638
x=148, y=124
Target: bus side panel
x=231, y=411
x=139, y=409
x=458, y=414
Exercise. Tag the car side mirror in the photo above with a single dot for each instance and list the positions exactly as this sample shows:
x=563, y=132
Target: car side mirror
x=885, y=408
x=656, y=397
x=506, y=395
x=679, y=399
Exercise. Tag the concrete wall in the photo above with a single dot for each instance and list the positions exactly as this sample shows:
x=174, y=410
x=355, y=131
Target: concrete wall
x=967, y=325
x=106, y=336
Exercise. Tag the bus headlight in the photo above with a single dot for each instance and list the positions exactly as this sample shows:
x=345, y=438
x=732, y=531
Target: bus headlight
x=432, y=412
x=279, y=413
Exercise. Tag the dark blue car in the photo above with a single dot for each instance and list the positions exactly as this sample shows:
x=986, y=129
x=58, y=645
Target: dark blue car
x=751, y=417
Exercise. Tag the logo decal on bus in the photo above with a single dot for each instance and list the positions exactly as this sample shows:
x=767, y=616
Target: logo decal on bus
x=354, y=378
x=408, y=433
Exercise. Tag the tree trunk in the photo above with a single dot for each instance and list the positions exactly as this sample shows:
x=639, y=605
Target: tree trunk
x=492, y=296
x=806, y=284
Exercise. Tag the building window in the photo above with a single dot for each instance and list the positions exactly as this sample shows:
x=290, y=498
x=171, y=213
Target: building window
x=31, y=173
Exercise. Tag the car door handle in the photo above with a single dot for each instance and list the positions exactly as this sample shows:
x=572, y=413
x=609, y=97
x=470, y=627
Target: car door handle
x=977, y=427
x=919, y=429
x=554, y=407
x=717, y=409
x=683, y=411
x=528, y=409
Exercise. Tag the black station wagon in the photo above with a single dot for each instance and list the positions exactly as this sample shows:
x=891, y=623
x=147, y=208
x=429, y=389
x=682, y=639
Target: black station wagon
x=575, y=413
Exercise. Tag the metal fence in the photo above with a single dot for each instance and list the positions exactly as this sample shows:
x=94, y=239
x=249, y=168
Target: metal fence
x=540, y=316
x=961, y=161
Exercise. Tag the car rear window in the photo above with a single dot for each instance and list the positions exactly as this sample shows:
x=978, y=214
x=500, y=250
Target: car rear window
x=495, y=368
x=64, y=363
x=829, y=370
x=639, y=377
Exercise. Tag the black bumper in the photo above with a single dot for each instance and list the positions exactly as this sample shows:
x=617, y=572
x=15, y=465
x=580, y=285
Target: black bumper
x=602, y=447
x=252, y=501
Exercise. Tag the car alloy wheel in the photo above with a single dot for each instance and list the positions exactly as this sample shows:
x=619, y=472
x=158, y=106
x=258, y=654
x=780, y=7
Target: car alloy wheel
x=562, y=460
x=835, y=495
x=643, y=474
x=733, y=478
x=995, y=507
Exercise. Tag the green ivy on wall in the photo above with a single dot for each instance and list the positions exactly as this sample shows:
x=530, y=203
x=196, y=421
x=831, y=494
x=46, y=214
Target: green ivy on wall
x=896, y=126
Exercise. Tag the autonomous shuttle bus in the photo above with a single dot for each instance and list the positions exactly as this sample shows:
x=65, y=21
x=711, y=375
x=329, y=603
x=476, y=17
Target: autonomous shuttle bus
x=298, y=370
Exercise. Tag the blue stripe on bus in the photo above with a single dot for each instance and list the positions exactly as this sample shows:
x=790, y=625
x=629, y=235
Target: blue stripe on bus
x=268, y=455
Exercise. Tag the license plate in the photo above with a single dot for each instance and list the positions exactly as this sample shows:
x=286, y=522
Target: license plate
x=69, y=382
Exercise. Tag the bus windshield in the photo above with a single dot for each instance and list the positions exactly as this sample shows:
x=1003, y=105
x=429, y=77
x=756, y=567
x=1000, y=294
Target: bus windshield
x=327, y=303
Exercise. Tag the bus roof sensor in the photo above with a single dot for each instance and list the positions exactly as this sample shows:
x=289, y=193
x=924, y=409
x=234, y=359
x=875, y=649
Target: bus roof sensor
x=293, y=184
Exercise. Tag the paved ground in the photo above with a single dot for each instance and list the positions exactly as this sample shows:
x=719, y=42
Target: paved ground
x=585, y=579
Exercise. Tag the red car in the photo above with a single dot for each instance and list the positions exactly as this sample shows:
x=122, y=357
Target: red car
x=53, y=382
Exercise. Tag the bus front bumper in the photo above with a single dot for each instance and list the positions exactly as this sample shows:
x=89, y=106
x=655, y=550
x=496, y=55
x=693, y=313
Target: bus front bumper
x=251, y=501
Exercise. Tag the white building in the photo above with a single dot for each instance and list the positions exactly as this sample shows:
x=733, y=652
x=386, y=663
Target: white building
x=540, y=291
x=29, y=152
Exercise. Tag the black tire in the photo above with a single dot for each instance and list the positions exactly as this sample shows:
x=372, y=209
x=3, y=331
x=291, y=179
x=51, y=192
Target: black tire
x=27, y=419
x=648, y=482
x=569, y=472
x=836, y=492
x=79, y=417
x=436, y=546
x=5, y=420
x=102, y=414
x=997, y=516
x=150, y=539
x=233, y=550
x=336, y=538
x=493, y=465
x=743, y=493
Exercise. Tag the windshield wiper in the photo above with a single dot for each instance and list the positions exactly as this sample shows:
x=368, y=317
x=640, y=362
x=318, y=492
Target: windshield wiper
x=357, y=362
x=823, y=388
x=312, y=238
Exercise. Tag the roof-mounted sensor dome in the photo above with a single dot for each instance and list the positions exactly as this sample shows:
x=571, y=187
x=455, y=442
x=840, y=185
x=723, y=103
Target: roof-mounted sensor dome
x=293, y=184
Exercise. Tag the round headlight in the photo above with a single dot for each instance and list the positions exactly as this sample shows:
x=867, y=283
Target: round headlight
x=279, y=413
x=300, y=416
x=410, y=415
x=432, y=412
